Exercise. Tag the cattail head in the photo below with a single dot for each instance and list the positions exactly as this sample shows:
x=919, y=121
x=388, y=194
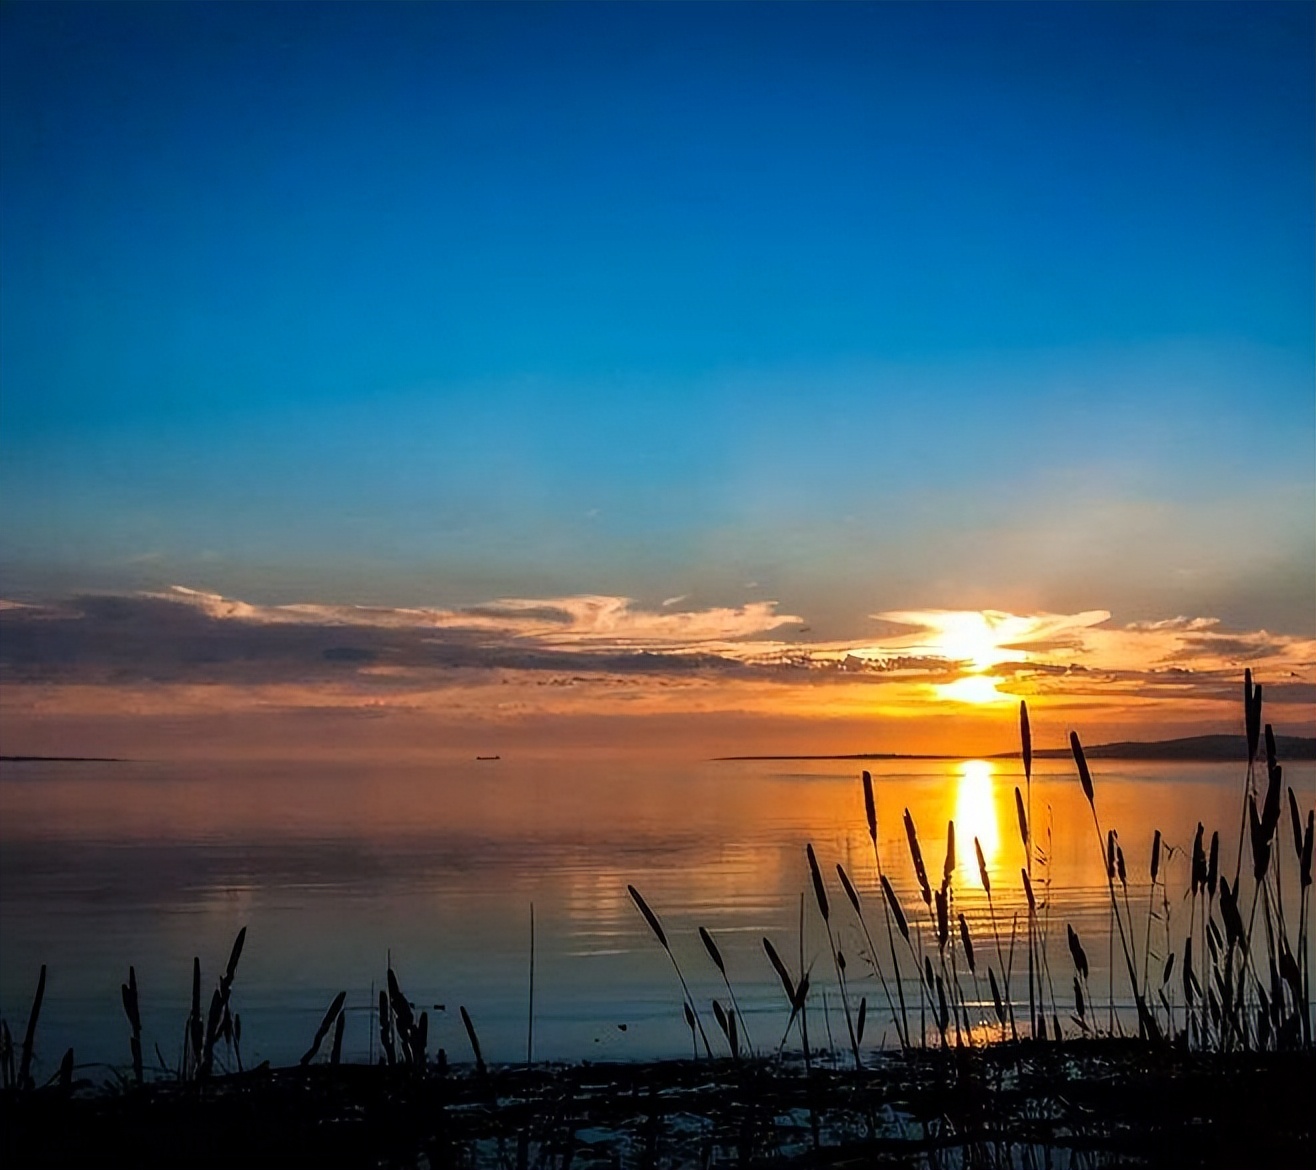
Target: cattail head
x=997, y=1002
x=1076, y=950
x=819, y=891
x=1156, y=856
x=1119, y=866
x=649, y=916
x=1110, y=854
x=848, y=886
x=1199, y=860
x=1078, y=997
x=1213, y=864
x=950, y=854
x=1168, y=970
x=1023, y=817
x=916, y=854
x=1252, y=715
x=982, y=867
x=1260, y=842
x=1306, y=850
x=787, y=983
x=896, y=912
x=713, y=953
x=1296, y=817
x=870, y=806
x=1084, y=776
x=863, y=1019
x=967, y=943
x=943, y=919
x=1026, y=738
x=1028, y=890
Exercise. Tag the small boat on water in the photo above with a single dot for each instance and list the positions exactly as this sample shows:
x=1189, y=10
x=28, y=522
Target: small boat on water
x=486, y=758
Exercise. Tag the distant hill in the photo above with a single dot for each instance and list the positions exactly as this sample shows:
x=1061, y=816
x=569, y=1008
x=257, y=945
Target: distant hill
x=1193, y=747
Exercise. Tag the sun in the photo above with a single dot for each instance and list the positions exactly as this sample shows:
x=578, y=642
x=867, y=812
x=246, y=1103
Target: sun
x=972, y=688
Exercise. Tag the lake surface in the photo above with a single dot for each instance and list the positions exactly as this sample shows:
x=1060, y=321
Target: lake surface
x=334, y=869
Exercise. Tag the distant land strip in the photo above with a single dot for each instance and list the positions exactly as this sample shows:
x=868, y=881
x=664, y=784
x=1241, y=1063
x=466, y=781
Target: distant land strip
x=1193, y=748
x=62, y=760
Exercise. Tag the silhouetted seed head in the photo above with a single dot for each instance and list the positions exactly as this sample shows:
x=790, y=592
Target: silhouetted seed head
x=1270, y=748
x=721, y=1017
x=1260, y=843
x=787, y=983
x=1168, y=970
x=1296, y=817
x=943, y=916
x=818, y=891
x=1078, y=998
x=943, y=1015
x=234, y=955
x=1306, y=849
x=840, y=958
x=1084, y=776
x=848, y=887
x=949, y=867
x=1213, y=864
x=1023, y=817
x=870, y=807
x=649, y=916
x=1026, y=737
x=1119, y=866
x=1199, y=860
x=1252, y=715
x=1189, y=980
x=1110, y=854
x=982, y=867
x=689, y=1018
x=996, y=996
x=899, y=915
x=475, y=1040
x=1229, y=912
x=917, y=855
x=1076, y=950
x=863, y=1019
x=927, y=972
x=1156, y=856
x=711, y=947
x=1270, y=809
x=967, y=943
x=1028, y=889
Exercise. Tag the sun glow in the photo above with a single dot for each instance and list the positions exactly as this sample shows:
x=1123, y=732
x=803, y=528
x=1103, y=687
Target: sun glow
x=972, y=688
x=975, y=817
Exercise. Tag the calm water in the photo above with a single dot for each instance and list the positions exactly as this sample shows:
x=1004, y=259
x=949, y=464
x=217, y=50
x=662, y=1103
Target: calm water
x=103, y=865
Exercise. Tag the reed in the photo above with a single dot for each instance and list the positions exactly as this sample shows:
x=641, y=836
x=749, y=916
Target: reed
x=130, y=1008
x=661, y=935
x=24, y=1080
x=716, y=955
x=853, y=896
x=330, y=1019
x=820, y=897
x=870, y=815
x=475, y=1041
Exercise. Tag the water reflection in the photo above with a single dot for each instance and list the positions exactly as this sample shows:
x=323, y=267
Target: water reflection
x=975, y=817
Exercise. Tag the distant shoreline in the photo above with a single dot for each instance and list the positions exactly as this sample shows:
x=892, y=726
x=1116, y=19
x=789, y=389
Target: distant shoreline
x=1202, y=749
x=62, y=760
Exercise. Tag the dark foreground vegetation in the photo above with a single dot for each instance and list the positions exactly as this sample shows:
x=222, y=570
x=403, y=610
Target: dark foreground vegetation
x=1216, y=1067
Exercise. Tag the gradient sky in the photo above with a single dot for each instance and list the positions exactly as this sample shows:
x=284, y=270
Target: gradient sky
x=857, y=310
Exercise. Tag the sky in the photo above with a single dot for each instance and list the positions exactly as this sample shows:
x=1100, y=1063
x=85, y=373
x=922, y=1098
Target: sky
x=574, y=375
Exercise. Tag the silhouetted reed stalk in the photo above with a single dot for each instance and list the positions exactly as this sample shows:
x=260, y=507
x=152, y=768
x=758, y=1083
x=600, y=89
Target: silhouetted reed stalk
x=1000, y=951
x=870, y=813
x=331, y=1017
x=652, y=919
x=820, y=896
x=24, y=1080
x=853, y=895
x=716, y=955
x=1146, y=1022
x=795, y=996
x=530, y=1011
x=1025, y=821
x=130, y=1008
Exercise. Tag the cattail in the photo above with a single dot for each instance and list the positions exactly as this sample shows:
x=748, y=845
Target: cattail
x=967, y=943
x=1168, y=970
x=1078, y=998
x=336, y=1053
x=1306, y=850
x=943, y=1015
x=943, y=915
x=1110, y=854
x=927, y=972
x=1076, y=950
x=720, y=1015
x=1156, y=856
x=1229, y=912
x=1260, y=842
x=1189, y=979
x=1296, y=817
x=1023, y=816
x=899, y=915
x=386, y=1028
x=996, y=996
x=950, y=854
x=1270, y=748
x=787, y=983
x=1252, y=715
x=649, y=916
x=713, y=953
x=1213, y=864
x=917, y=854
x=1199, y=860
x=863, y=1018
x=1084, y=776
x=29, y=1037
x=848, y=887
x=1119, y=867
x=1026, y=736
x=330, y=1017
x=475, y=1040
x=870, y=807
x=982, y=868
x=1028, y=890
x=818, y=891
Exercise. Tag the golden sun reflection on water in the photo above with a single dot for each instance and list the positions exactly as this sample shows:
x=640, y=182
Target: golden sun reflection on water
x=975, y=816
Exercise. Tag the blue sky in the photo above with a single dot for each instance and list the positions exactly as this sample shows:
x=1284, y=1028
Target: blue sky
x=854, y=308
